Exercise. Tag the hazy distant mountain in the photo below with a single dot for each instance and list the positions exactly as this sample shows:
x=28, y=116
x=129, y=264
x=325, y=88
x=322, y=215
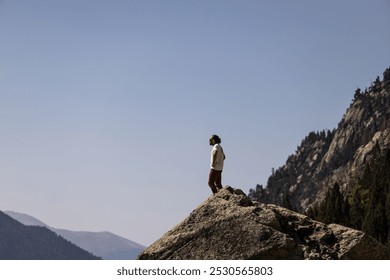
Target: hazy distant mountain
x=103, y=244
x=21, y=242
x=26, y=219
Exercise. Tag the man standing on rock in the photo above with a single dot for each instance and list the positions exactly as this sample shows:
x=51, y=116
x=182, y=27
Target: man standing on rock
x=216, y=164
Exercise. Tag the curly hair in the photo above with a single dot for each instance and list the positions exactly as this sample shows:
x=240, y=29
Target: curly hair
x=216, y=138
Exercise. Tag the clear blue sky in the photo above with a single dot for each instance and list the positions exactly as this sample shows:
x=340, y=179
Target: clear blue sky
x=106, y=106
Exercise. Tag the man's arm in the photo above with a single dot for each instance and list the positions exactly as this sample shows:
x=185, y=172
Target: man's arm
x=215, y=152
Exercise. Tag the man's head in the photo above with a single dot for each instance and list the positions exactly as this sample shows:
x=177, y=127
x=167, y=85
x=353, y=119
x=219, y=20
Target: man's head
x=214, y=139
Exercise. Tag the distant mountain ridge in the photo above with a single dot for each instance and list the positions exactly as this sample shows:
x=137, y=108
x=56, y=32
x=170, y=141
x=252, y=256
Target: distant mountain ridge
x=103, y=244
x=21, y=242
x=27, y=220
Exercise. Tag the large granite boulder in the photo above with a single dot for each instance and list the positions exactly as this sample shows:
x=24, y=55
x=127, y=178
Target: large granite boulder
x=228, y=225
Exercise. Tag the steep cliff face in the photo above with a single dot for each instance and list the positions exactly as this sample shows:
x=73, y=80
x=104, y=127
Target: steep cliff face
x=339, y=156
x=229, y=226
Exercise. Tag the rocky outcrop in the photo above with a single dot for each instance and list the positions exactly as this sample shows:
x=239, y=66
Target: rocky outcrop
x=327, y=157
x=229, y=225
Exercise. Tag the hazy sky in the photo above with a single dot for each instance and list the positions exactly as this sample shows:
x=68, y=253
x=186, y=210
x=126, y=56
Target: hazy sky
x=106, y=106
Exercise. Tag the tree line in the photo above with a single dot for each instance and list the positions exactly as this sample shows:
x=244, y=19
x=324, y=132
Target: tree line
x=366, y=206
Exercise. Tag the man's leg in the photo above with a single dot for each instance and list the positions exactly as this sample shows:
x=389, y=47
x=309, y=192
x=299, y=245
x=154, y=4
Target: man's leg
x=212, y=180
x=218, y=180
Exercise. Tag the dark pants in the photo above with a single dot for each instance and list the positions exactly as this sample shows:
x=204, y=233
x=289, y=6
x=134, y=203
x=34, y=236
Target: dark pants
x=215, y=178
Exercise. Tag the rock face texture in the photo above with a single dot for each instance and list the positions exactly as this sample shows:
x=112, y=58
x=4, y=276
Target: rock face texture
x=327, y=157
x=230, y=226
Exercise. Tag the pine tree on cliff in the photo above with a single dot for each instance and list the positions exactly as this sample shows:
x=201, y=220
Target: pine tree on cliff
x=358, y=94
x=377, y=177
x=376, y=85
x=386, y=79
x=357, y=200
x=334, y=208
